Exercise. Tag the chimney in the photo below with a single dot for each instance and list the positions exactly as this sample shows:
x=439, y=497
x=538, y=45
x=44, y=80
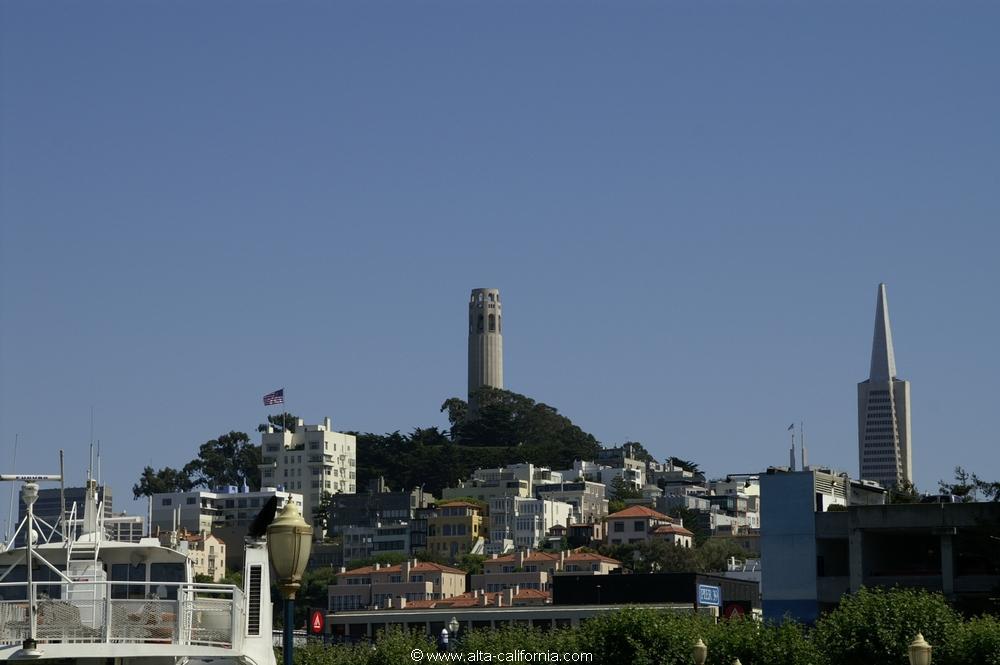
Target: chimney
x=407, y=565
x=301, y=423
x=402, y=602
x=499, y=600
x=326, y=424
x=562, y=559
x=343, y=569
x=484, y=600
x=388, y=603
x=520, y=557
x=377, y=565
x=493, y=556
x=510, y=596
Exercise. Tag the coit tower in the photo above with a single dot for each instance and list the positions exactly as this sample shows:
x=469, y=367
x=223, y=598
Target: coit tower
x=485, y=340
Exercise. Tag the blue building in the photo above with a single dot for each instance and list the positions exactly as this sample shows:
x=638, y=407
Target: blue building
x=790, y=502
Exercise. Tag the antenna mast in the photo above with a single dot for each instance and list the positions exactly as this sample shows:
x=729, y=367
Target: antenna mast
x=10, y=510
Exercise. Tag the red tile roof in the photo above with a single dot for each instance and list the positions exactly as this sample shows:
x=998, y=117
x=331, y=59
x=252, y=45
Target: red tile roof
x=420, y=567
x=640, y=511
x=468, y=599
x=672, y=528
x=591, y=556
x=464, y=504
x=534, y=556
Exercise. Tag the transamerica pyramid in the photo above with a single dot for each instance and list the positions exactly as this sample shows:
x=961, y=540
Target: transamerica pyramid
x=884, y=453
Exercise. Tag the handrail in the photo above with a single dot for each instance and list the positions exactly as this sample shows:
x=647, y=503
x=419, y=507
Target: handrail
x=196, y=614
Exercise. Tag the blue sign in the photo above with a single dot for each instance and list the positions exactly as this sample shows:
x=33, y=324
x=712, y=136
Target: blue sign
x=709, y=595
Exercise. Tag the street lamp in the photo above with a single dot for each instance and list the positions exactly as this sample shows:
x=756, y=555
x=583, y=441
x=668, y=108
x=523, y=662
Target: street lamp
x=453, y=627
x=920, y=651
x=699, y=652
x=289, y=540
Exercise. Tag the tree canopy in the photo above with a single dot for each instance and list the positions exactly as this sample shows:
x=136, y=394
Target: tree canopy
x=505, y=418
x=968, y=486
x=160, y=481
x=229, y=459
x=282, y=422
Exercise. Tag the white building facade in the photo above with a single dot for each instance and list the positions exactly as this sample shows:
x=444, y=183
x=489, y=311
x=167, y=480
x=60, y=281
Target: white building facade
x=310, y=461
x=526, y=521
x=201, y=511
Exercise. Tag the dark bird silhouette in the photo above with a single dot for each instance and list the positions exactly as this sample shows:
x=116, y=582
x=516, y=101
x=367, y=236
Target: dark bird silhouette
x=258, y=528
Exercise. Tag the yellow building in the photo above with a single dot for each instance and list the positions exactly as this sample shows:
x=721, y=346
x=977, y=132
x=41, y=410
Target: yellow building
x=456, y=529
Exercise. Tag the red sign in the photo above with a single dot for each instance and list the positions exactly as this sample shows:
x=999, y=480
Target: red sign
x=317, y=622
x=734, y=610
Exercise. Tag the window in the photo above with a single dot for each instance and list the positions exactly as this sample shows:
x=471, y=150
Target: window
x=493, y=323
x=123, y=572
x=619, y=527
x=165, y=502
x=479, y=326
x=639, y=525
x=191, y=500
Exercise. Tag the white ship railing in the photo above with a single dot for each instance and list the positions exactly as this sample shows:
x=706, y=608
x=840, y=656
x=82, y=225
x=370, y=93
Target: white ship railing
x=209, y=615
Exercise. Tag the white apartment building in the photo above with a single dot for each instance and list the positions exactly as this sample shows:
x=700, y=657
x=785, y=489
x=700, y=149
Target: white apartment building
x=310, y=461
x=201, y=511
x=583, y=470
x=526, y=521
x=529, y=473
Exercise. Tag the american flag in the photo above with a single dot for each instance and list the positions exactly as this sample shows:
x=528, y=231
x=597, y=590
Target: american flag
x=277, y=397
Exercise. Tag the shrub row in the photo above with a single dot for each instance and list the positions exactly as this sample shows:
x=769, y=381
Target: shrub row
x=871, y=627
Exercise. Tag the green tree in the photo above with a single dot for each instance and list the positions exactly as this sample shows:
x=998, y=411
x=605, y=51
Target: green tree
x=471, y=563
x=314, y=591
x=385, y=559
x=876, y=625
x=229, y=459
x=906, y=492
x=321, y=514
x=687, y=465
x=989, y=489
x=282, y=422
x=458, y=411
x=639, y=451
x=622, y=490
x=504, y=418
x=431, y=557
x=964, y=487
x=233, y=577
x=968, y=486
x=691, y=522
x=164, y=480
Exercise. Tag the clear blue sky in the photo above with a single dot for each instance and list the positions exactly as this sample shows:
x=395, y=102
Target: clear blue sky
x=686, y=206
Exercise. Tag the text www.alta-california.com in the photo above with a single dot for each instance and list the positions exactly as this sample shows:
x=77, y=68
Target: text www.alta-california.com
x=519, y=656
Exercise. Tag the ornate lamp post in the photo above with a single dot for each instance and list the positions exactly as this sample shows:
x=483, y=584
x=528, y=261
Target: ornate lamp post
x=919, y=651
x=699, y=652
x=289, y=540
x=453, y=627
